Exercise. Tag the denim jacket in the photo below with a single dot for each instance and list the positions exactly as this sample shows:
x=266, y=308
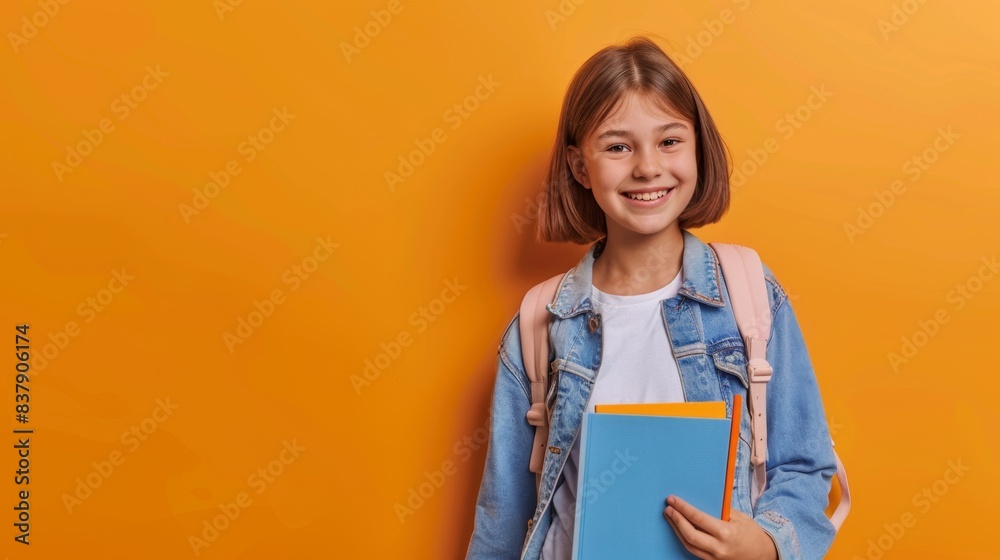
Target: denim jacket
x=511, y=520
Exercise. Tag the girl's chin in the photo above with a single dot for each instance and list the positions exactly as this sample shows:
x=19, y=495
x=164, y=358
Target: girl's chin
x=647, y=228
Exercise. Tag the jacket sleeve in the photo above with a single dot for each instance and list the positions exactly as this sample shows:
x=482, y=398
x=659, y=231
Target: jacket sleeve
x=507, y=494
x=800, y=460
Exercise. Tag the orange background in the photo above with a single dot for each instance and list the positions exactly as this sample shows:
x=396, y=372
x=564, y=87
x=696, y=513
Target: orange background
x=464, y=215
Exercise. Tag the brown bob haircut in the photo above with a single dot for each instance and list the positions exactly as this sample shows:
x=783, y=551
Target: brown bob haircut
x=568, y=211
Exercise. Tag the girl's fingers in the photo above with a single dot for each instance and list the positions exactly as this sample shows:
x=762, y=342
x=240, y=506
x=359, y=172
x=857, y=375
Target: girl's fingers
x=690, y=547
x=698, y=518
x=690, y=534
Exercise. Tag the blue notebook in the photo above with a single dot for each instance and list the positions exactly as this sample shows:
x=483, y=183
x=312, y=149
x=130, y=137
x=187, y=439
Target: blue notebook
x=629, y=464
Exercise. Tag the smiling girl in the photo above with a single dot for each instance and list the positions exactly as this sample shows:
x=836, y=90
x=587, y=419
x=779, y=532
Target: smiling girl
x=645, y=317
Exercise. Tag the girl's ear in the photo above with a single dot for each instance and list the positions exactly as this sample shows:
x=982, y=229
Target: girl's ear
x=577, y=166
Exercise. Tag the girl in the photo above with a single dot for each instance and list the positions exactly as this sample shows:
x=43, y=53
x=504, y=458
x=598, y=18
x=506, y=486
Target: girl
x=645, y=317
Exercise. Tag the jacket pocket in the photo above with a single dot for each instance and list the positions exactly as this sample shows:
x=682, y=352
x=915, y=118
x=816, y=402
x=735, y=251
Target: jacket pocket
x=731, y=363
x=732, y=360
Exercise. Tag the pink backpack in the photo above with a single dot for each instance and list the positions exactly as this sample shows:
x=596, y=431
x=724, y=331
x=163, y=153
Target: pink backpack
x=748, y=292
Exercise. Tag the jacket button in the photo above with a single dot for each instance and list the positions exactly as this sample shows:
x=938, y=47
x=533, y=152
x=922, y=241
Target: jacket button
x=530, y=521
x=594, y=323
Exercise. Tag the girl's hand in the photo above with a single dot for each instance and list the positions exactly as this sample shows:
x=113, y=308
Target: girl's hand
x=710, y=538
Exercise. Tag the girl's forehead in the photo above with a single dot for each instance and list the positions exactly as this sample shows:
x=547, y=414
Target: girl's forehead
x=657, y=105
x=659, y=110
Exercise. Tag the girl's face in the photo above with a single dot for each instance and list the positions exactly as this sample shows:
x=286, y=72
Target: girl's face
x=640, y=164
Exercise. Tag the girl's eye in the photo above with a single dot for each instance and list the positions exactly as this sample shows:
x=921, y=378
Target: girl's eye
x=619, y=148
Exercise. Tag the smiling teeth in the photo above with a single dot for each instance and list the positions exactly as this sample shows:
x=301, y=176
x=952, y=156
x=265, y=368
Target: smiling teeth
x=647, y=196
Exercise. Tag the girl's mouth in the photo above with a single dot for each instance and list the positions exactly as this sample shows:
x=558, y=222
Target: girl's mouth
x=647, y=199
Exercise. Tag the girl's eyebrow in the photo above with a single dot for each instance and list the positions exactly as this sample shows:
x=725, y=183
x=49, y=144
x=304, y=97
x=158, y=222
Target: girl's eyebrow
x=628, y=133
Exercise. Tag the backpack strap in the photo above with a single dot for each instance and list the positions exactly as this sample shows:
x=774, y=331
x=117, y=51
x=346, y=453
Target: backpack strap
x=747, y=288
x=840, y=514
x=534, y=331
x=744, y=275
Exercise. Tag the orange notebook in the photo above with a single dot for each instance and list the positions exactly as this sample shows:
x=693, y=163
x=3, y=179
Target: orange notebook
x=714, y=409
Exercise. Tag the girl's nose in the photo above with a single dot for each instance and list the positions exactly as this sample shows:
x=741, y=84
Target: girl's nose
x=647, y=164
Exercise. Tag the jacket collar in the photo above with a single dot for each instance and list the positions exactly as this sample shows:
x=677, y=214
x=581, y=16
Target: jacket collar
x=700, y=273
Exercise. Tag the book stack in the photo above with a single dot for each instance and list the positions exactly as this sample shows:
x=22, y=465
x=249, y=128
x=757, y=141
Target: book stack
x=632, y=456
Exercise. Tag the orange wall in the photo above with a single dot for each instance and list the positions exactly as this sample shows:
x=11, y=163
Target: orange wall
x=155, y=409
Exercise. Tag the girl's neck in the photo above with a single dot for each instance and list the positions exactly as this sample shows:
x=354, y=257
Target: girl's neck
x=632, y=264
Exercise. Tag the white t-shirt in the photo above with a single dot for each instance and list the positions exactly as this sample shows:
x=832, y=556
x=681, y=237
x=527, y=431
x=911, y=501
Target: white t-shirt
x=637, y=366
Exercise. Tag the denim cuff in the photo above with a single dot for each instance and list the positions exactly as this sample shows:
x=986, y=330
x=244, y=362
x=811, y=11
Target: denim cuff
x=782, y=532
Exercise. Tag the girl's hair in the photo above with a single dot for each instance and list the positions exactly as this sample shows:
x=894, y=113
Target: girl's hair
x=568, y=211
